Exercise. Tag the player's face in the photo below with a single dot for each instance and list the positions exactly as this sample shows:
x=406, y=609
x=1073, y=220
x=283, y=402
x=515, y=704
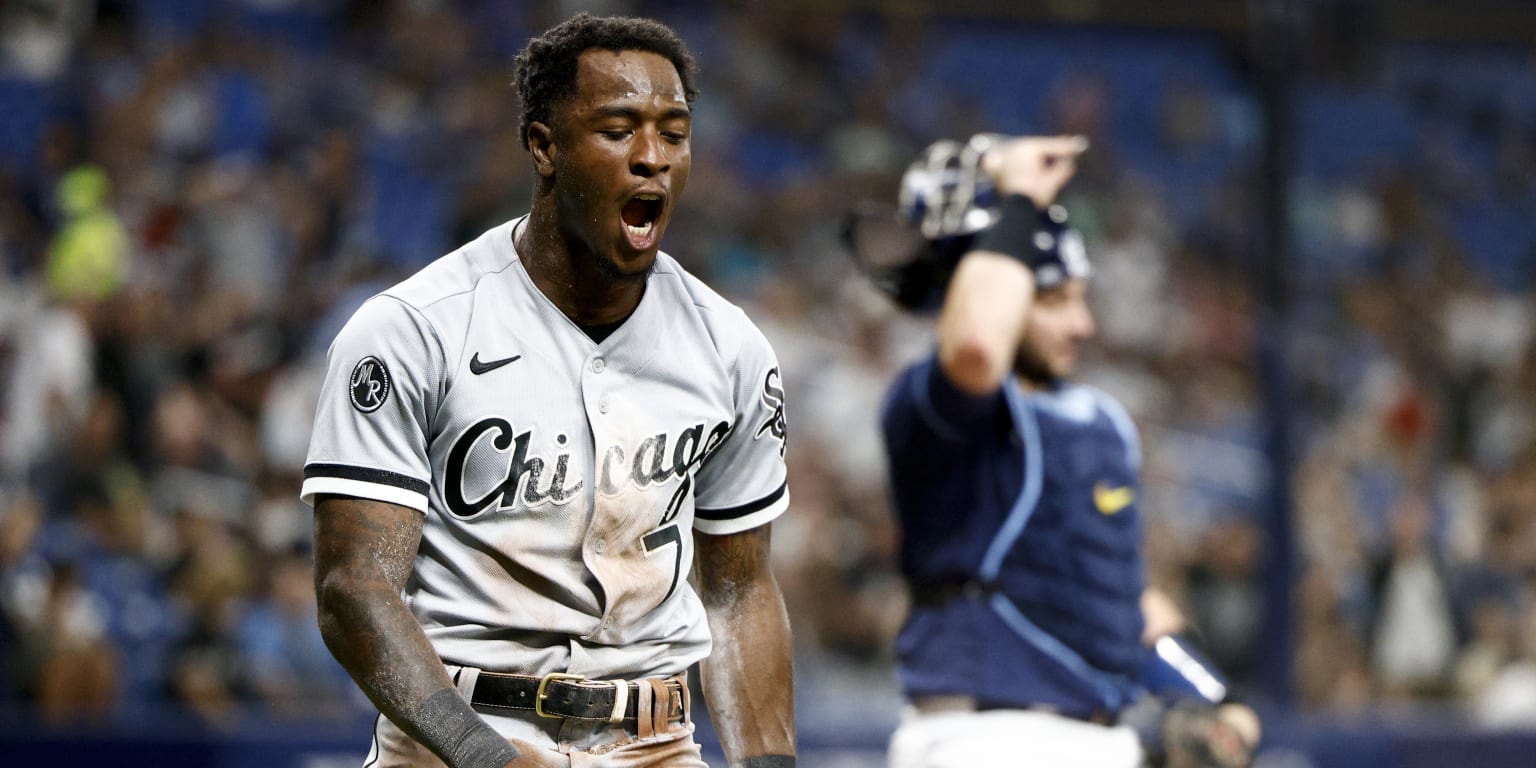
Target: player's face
x=621, y=157
x=1057, y=322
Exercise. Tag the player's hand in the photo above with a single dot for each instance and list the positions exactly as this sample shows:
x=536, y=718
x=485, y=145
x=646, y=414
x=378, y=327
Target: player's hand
x=1036, y=167
x=535, y=756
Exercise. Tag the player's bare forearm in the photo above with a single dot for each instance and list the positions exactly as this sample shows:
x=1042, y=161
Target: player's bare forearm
x=748, y=678
x=982, y=320
x=364, y=552
x=363, y=555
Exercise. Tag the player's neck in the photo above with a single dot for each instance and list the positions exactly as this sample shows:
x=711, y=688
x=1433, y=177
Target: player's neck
x=1034, y=383
x=571, y=280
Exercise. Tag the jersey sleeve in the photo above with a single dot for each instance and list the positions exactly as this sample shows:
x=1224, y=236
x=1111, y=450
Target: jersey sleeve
x=924, y=408
x=372, y=422
x=743, y=483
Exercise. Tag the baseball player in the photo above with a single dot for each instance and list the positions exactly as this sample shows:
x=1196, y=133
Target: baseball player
x=521, y=452
x=1017, y=493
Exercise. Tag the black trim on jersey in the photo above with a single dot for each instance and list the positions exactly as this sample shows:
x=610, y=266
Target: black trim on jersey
x=366, y=475
x=731, y=513
x=378, y=748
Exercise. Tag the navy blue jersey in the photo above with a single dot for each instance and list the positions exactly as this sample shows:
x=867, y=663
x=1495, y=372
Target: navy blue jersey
x=1021, y=541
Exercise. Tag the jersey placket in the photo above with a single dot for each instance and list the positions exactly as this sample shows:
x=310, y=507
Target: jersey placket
x=597, y=384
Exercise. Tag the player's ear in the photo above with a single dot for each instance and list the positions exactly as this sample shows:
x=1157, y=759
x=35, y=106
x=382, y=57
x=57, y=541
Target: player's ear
x=541, y=144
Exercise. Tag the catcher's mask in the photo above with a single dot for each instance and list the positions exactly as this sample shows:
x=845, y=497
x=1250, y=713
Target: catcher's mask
x=945, y=199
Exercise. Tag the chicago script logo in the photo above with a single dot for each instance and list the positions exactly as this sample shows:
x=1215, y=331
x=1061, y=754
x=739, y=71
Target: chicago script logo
x=531, y=480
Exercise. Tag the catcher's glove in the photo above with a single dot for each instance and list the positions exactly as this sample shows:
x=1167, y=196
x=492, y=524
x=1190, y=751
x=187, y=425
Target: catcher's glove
x=1194, y=735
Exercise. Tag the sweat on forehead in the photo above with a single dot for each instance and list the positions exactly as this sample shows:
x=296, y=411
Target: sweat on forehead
x=603, y=75
x=545, y=72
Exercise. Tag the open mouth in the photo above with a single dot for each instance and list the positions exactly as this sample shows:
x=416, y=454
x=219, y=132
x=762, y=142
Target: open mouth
x=640, y=215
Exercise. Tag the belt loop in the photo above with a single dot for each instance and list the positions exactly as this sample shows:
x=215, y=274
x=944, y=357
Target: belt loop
x=662, y=704
x=620, y=701
x=682, y=681
x=644, y=726
x=465, y=680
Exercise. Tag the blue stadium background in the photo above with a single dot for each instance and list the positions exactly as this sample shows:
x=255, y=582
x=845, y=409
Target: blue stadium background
x=194, y=194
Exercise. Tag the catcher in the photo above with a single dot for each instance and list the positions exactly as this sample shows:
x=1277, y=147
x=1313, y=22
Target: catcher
x=1033, y=638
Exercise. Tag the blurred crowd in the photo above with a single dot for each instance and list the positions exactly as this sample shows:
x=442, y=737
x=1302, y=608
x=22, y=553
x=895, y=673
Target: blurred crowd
x=194, y=195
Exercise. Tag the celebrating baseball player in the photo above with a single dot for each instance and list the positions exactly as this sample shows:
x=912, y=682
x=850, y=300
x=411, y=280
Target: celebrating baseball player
x=1017, y=492
x=528, y=454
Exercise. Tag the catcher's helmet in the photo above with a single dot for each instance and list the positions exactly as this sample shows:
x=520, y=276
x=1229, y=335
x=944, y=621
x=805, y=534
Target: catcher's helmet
x=945, y=192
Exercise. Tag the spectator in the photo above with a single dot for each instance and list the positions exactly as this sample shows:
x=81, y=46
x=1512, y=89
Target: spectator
x=89, y=257
x=284, y=662
x=1415, y=634
x=76, y=668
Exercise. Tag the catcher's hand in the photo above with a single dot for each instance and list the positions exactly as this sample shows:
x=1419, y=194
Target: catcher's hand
x=1036, y=167
x=1201, y=736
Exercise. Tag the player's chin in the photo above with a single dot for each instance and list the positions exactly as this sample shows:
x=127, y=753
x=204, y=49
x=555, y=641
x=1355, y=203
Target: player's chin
x=1064, y=364
x=628, y=264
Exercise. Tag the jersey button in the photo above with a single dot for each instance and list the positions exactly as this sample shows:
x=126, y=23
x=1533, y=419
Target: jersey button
x=598, y=364
x=599, y=546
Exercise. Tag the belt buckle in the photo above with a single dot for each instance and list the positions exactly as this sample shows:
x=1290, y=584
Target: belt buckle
x=542, y=694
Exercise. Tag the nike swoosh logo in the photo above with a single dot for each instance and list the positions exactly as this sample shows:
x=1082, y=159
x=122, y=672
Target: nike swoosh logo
x=476, y=367
x=1112, y=500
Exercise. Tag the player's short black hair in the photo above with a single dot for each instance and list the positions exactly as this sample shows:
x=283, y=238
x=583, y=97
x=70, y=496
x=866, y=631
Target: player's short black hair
x=545, y=71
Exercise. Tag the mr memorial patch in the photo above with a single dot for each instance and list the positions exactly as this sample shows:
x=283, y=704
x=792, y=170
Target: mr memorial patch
x=370, y=384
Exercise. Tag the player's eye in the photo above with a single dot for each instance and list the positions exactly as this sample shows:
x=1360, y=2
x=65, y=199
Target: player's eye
x=674, y=130
x=615, y=134
x=1051, y=297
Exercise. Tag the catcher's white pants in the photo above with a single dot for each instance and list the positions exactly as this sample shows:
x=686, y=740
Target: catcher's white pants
x=1009, y=737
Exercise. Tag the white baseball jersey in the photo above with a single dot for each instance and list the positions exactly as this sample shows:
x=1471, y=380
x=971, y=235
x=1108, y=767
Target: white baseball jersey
x=560, y=477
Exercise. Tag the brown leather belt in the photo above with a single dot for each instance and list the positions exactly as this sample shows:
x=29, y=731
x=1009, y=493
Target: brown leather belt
x=559, y=695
